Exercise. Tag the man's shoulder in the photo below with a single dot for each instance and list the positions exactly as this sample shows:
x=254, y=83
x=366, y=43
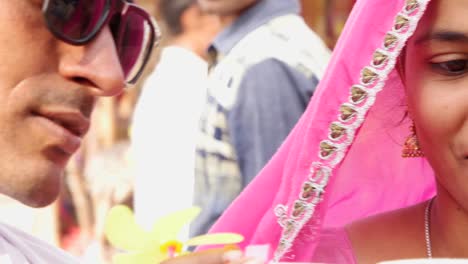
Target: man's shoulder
x=282, y=32
x=286, y=40
x=16, y=244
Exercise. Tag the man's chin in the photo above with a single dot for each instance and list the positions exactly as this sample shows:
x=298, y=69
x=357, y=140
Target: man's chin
x=41, y=194
x=41, y=200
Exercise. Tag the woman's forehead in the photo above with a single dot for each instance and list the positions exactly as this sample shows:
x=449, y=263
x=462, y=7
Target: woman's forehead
x=444, y=16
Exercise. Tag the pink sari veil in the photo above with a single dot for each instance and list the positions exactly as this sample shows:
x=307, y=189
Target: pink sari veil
x=343, y=159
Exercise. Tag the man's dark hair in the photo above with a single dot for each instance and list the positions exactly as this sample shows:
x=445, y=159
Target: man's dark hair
x=171, y=12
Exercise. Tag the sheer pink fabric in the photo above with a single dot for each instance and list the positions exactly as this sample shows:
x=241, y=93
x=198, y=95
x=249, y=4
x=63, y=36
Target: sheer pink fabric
x=333, y=246
x=372, y=176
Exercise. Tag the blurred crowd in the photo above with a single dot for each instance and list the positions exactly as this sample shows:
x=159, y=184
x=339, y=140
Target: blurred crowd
x=139, y=149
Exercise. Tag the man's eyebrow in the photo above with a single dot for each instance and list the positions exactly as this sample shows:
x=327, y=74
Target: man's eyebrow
x=442, y=36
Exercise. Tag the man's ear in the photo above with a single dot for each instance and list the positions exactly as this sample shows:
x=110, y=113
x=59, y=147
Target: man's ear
x=189, y=19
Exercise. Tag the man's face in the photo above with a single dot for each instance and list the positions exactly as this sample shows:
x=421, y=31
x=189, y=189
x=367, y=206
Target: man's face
x=225, y=7
x=47, y=93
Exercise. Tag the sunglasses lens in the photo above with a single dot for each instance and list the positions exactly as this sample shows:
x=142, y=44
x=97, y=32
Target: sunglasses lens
x=134, y=43
x=75, y=20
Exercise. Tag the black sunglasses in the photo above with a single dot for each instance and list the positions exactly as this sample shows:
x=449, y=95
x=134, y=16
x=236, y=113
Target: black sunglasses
x=77, y=22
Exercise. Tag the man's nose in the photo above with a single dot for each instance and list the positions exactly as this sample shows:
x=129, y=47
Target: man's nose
x=96, y=65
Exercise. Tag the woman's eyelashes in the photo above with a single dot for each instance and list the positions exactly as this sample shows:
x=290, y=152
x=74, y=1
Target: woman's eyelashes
x=455, y=67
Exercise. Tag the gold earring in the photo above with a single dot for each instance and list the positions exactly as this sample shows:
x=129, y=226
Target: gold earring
x=411, y=149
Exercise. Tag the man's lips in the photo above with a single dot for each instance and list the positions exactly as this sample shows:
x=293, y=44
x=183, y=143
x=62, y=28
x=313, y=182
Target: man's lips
x=68, y=127
x=73, y=121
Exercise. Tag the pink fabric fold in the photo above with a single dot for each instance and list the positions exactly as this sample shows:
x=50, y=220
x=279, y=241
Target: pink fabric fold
x=371, y=178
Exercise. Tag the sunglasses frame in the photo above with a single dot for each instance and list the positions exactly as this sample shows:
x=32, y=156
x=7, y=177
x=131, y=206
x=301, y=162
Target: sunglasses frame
x=112, y=7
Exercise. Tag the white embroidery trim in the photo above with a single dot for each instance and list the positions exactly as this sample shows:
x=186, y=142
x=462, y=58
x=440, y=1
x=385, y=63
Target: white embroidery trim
x=351, y=125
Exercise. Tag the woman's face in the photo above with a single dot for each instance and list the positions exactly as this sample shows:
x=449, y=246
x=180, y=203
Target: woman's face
x=436, y=77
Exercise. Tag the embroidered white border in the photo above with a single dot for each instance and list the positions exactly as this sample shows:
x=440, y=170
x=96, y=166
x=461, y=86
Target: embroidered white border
x=321, y=170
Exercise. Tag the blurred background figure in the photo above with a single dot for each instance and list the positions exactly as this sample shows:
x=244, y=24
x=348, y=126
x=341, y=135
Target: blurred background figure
x=266, y=65
x=166, y=116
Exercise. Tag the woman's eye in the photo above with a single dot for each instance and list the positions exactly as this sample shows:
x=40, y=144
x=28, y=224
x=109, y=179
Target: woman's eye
x=452, y=68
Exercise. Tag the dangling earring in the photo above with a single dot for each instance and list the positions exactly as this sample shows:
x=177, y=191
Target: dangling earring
x=411, y=149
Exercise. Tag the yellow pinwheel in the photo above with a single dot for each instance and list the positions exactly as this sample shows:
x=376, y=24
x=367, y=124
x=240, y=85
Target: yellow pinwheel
x=153, y=247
